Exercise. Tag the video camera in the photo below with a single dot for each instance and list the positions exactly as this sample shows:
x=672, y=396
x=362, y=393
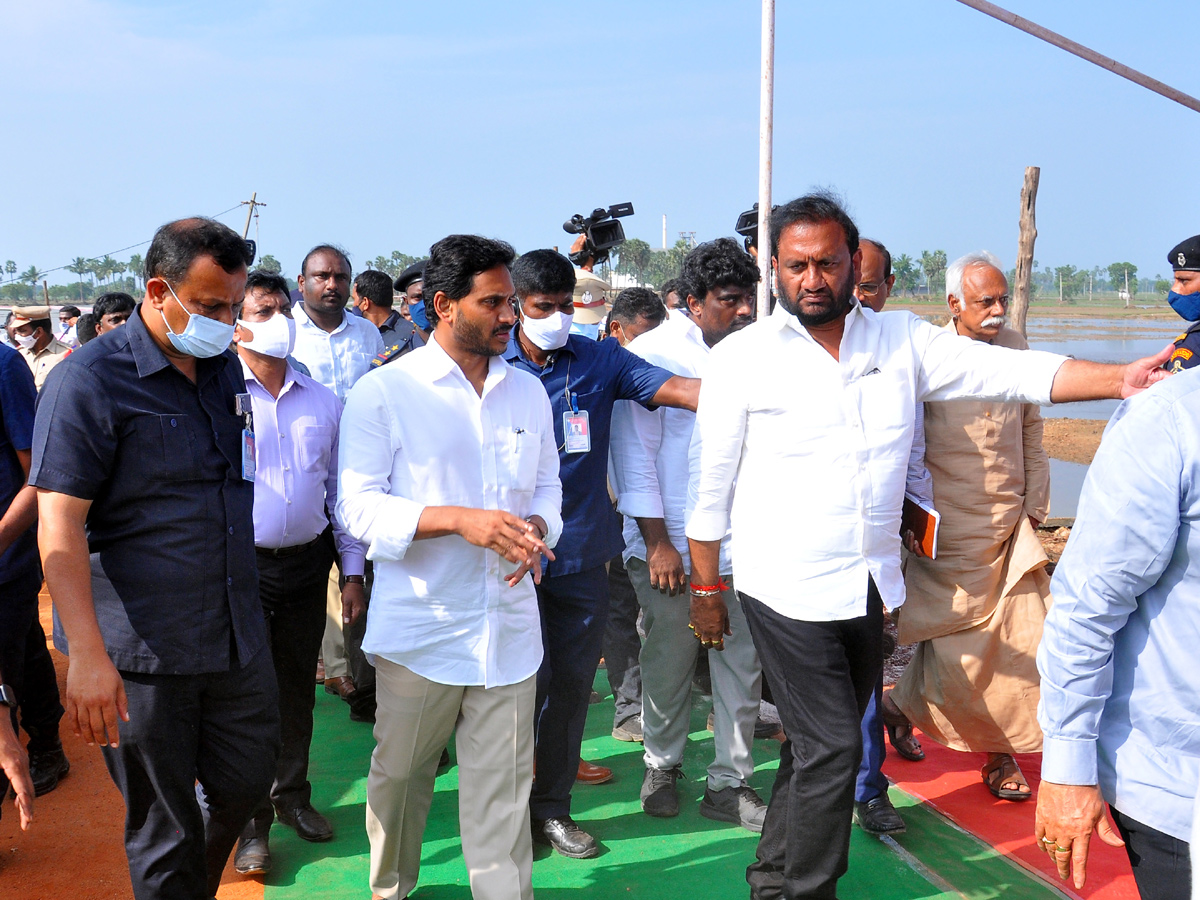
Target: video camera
x=601, y=231
x=747, y=227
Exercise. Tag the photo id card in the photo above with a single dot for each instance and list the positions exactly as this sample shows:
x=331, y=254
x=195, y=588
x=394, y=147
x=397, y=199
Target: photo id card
x=247, y=454
x=577, y=434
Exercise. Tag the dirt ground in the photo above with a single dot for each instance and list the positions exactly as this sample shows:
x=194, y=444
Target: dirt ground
x=1073, y=440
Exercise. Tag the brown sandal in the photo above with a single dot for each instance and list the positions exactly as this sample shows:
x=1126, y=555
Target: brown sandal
x=1001, y=771
x=895, y=721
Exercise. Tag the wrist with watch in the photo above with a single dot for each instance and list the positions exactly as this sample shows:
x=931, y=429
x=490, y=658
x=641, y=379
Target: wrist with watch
x=356, y=579
x=8, y=697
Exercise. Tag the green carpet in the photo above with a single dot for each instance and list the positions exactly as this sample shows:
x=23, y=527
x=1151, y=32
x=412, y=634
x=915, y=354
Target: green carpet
x=684, y=858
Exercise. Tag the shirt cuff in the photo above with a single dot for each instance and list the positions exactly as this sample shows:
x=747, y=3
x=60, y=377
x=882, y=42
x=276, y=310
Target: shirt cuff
x=707, y=526
x=354, y=561
x=392, y=541
x=1069, y=761
x=640, y=506
x=1041, y=368
x=549, y=511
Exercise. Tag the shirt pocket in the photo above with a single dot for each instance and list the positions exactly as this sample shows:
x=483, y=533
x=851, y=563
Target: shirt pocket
x=525, y=451
x=315, y=443
x=165, y=447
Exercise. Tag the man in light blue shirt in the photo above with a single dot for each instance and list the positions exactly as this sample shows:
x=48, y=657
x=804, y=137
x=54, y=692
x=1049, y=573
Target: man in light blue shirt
x=1120, y=704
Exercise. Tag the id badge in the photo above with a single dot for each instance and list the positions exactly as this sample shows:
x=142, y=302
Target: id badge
x=577, y=433
x=247, y=454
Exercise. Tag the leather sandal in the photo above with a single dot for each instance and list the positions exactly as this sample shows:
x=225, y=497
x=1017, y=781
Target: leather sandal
x=1003, y=770
x=900, y=731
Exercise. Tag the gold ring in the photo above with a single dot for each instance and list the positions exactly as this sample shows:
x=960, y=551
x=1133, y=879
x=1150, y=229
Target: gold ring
x=1058, y=849
x=1046, y=840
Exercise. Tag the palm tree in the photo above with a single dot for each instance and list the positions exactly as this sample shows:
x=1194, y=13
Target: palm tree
x=10, y=268
x=135, y=268
x=80, y=267
x=32, y=276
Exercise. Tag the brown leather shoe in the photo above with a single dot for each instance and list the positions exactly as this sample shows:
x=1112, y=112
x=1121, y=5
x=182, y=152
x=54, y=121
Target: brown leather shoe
x=592, y=774
x=341, y=686
x=320, y=671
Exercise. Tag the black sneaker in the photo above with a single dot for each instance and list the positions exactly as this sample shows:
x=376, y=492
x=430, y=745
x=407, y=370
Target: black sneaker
x=47, y=768
x=735, y=804
x=659, y=795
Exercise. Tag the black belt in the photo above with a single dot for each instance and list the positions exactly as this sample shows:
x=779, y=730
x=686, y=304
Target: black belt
x=284, y=552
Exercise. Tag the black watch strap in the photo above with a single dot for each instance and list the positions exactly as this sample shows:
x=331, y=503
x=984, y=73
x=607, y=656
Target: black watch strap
x=8, y=697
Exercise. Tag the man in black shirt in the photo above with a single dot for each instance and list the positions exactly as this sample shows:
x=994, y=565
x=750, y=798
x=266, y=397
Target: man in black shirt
x=147, y=537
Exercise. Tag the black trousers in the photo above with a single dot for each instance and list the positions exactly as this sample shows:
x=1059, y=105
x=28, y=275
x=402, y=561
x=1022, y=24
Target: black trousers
x=292, y=590
x=622, y=646
x=221, y=730
x=1162, y=864
x=574, y=610
x=23, y=666
x=822, y=675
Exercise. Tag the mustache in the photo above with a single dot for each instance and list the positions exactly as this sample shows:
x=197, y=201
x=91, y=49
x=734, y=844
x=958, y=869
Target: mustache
x=993, y=322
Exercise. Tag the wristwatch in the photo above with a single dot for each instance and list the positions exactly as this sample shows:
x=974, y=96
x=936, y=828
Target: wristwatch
x=8, y=697
x=356, y=579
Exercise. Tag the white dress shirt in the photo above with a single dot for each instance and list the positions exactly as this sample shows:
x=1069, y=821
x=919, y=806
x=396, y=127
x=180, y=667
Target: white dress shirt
x=415, y=434
x=649, y=448
x=296, y=466
x=820, y=449
x=338, y=358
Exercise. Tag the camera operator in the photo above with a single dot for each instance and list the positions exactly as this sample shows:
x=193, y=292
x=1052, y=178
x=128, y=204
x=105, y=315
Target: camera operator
x=591, y=291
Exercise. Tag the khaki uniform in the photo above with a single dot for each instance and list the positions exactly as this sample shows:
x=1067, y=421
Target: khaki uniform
x=41, y=362
x=591, y=297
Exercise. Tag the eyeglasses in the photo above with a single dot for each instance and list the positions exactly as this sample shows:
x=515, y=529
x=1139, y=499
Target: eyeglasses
x=869, y=290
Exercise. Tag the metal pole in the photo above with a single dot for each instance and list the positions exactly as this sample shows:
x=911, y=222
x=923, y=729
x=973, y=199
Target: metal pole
x=766, y=105
x=1104, y=62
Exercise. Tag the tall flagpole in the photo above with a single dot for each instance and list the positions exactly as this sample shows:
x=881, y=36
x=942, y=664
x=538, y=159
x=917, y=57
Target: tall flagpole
x=766, y=103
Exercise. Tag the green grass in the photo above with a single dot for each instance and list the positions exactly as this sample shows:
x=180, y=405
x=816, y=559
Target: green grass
x=643, y=858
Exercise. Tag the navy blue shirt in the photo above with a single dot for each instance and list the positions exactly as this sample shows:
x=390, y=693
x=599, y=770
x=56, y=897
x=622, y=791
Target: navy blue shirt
x=1187, y=350
x=589, y=375
x=17, y=399
x=171, y=526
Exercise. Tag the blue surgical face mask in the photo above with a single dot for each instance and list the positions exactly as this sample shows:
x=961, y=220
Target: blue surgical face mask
x=1187, y=305
x=202, y=337
x=416, y=312
x=591, y=332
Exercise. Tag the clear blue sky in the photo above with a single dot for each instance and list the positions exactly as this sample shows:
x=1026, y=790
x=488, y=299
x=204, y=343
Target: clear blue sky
x=386, y=125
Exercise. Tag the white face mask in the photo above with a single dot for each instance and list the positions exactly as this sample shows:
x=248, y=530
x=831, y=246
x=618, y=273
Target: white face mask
x=25, y=341
x=549, y=333
x=275, y=337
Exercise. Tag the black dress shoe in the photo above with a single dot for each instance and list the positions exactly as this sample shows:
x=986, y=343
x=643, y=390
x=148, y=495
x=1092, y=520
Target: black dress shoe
x=566, y=837
x=878, y=816
x=47, y=768
x=309, y=824
x=253, y=856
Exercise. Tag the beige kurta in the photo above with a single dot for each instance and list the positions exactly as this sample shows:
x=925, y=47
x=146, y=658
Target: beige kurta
x=977, y=610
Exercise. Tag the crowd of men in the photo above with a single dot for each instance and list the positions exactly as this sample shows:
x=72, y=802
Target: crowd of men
x=454, y=492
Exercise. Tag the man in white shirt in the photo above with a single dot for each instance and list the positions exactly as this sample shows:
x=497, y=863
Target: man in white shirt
x=454, y=518
x=650, y=467
x=337, y=348
x=804, y=431
x=295, y=427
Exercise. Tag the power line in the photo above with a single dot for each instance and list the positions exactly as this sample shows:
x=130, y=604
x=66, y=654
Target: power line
x=43, y=272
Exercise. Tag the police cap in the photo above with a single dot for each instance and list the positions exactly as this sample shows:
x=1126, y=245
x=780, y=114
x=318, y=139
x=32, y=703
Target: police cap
x=415, y=272
x=1185, y=256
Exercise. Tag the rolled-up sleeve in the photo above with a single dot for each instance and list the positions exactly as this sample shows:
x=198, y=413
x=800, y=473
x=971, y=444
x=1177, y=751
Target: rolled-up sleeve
x=952, y=367
x=716, y=448
x=634, y=444
x=367, y=449
x=1123, y=540
x=547, y=496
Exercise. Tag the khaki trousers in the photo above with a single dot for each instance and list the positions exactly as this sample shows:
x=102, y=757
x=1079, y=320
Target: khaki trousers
x=494, y=739
x=333, y=643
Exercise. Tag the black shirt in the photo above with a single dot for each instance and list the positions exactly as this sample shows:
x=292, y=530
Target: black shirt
x=17, y=399
x=171, y=527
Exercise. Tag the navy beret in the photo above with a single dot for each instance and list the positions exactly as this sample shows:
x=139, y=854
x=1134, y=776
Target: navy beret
x=1185, y=256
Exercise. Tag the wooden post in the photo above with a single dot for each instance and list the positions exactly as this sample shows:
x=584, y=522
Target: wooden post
x=250, y=212
x=45, y=292
x=1020, y=307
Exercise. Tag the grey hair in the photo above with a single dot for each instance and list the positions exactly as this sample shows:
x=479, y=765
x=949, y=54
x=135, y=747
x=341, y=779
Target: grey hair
x=954, y=273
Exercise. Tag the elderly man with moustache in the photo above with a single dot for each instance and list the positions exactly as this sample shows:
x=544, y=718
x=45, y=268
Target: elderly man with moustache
x=977, y=610
x=806, y=462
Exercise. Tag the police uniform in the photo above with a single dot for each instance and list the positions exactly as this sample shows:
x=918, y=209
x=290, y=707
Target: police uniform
x=1185, y=257
x=397, y=349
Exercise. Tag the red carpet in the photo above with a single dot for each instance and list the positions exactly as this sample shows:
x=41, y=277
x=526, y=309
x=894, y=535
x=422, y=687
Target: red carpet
x=949, y=781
